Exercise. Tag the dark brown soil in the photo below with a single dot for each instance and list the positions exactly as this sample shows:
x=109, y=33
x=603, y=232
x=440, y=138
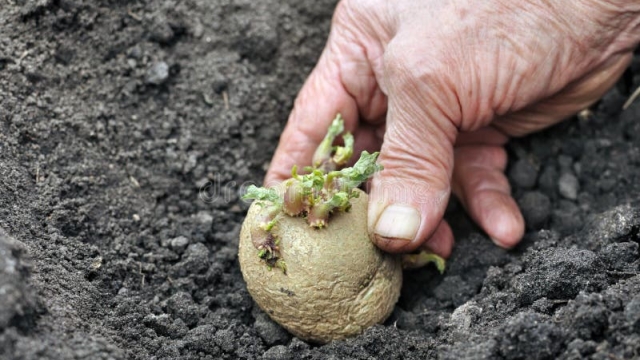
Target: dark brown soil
x=128, y=130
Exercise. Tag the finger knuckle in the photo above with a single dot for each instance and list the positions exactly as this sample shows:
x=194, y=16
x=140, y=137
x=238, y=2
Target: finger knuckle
x=358, y=10
x=407, y=66
x=358, y=20
x=422, y=78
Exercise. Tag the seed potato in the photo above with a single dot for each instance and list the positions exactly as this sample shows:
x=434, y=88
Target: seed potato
x=337, y=282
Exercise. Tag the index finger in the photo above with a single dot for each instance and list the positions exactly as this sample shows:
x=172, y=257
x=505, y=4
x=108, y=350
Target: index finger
x=321, y=98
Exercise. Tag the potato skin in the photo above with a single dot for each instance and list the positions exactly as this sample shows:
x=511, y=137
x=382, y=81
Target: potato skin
x=338, y=283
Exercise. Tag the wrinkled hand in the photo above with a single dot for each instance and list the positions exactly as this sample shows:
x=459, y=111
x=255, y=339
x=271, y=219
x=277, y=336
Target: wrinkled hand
x=439, y=87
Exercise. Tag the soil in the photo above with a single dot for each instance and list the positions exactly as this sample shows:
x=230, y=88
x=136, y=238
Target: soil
x=128, y=130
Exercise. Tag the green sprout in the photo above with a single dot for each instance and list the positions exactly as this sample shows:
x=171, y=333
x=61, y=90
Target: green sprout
x=322, y=157
x=412, y=261
x=322, y=191
x=262, y=194
x=315, y=195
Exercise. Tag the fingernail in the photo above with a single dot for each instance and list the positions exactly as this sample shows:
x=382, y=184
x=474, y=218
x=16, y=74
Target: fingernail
x=502, y=244
x=496, y=242
x=398, y=222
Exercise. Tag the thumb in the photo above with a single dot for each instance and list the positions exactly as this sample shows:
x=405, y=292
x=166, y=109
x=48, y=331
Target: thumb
x=408, y=198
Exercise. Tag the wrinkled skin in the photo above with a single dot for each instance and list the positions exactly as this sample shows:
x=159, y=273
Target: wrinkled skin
x=440, y=86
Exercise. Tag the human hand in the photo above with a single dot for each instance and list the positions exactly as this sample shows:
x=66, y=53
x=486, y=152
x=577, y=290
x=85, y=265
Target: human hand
x=439, y=87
